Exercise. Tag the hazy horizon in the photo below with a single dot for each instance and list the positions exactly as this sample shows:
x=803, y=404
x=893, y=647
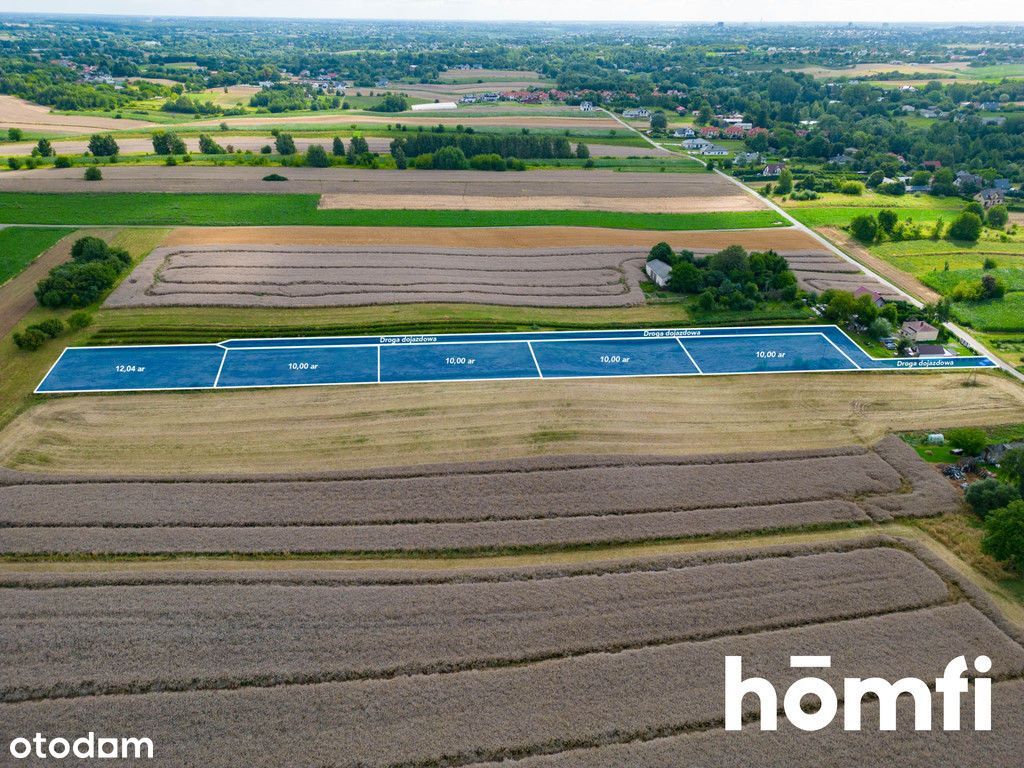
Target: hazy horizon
x=592, y=11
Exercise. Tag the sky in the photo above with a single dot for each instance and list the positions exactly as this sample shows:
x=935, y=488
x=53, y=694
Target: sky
x=923, y=11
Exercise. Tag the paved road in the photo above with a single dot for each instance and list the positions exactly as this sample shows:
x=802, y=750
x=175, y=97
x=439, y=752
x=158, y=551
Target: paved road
x=953, y=328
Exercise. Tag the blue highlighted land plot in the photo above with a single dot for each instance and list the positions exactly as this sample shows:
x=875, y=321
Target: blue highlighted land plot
x=114, y=369
x=456, y=362
x=763, y=354
x=612, y=357
x=298, y=366
x=473, y=357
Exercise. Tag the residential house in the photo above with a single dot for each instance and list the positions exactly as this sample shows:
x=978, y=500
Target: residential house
x=773, y=169
x=990, y=106
x=990, y=196
x=469, y=98
x=710, y=132
x=586, y=106
x=684, y=133
x=931, y=165
x=931, y=350
x=639, y=113
x=965, y=178
x=1003, y=184
x=876, y=298
x=695, y=144
x=714, y=149
x=919, y=330
x=658, y=271
x=840, y=159
x=492, y=96
x=748, y=158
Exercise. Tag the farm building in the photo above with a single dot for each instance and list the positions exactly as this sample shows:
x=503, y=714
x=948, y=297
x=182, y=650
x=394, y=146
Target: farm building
x=932, y=350
x=658, y=271
x=919, y=330
x=434, y=105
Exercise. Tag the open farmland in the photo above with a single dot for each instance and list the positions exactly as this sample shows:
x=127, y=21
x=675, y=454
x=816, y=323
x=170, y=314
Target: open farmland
x=369, y=189
x=292, y=277
x=18, y=113
x=571, y=118
x=489, y=664
x=316, y=430
x=477, y=506
x=249, y=143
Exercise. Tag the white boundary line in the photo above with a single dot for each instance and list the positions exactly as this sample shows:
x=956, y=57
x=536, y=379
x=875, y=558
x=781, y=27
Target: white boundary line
x=48, y=372
x=852, y=361
x=378, y=363
x=786, y=331
x=689, y=355
x=530, y=346
x=221, y=368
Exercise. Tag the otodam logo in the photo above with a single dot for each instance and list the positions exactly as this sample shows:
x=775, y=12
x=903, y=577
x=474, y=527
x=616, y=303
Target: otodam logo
x=950, y=686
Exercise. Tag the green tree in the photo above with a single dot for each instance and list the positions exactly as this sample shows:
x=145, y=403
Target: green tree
x=686, y=278
x=284, y=144
x=658, y=121
x=1012, y=464
x=45, y=149
x=316, y=156
x=864, y=227
x=1004, y=535
x=840, y=307
x=887, y=220
x=392, y=102
x=582, y=151
x=92, y=173
x=965, y=227
x=880, y=328
x=168, y=143
x=785, y=183
x=450, y=159
x=15, y=134
x=971, y=441
x=987, y=495
x=663, y=252
x=998, y=216
x=337, y=147
x=401, y=161
x=207, y=146
x=103, y=145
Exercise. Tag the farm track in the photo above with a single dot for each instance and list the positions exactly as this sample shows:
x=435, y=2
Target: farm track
x=573, y=665
x=17, y=296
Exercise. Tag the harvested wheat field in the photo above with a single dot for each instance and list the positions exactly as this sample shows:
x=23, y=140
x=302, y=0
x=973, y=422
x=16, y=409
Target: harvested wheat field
x=357, y=186
x=572, y=119
x=326, y=429
x=532, y=664
x=18, y=113
x=300, y=277
x=477, y=506
x=780, y=239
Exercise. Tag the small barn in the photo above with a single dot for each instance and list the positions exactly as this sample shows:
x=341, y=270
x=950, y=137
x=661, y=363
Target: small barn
x=659, y=272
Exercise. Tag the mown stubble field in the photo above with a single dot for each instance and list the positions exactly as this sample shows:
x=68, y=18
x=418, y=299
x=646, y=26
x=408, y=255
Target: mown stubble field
x=352, y=427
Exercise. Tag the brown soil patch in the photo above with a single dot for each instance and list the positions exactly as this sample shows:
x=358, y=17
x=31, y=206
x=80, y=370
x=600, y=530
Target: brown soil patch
x=18, y=113
x=317, y=276
x=17, y=295
x=778, y=238
x=324, y=429
x=897, y=277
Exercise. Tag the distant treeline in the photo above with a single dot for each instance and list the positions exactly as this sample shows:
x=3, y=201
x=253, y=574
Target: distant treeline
x=523, y=146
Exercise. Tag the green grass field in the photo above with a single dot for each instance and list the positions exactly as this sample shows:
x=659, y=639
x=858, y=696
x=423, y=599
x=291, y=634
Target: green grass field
x=19, y=246
x=945, y=281
x=1005, y=314
x=840, y=216
x=159, y=209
